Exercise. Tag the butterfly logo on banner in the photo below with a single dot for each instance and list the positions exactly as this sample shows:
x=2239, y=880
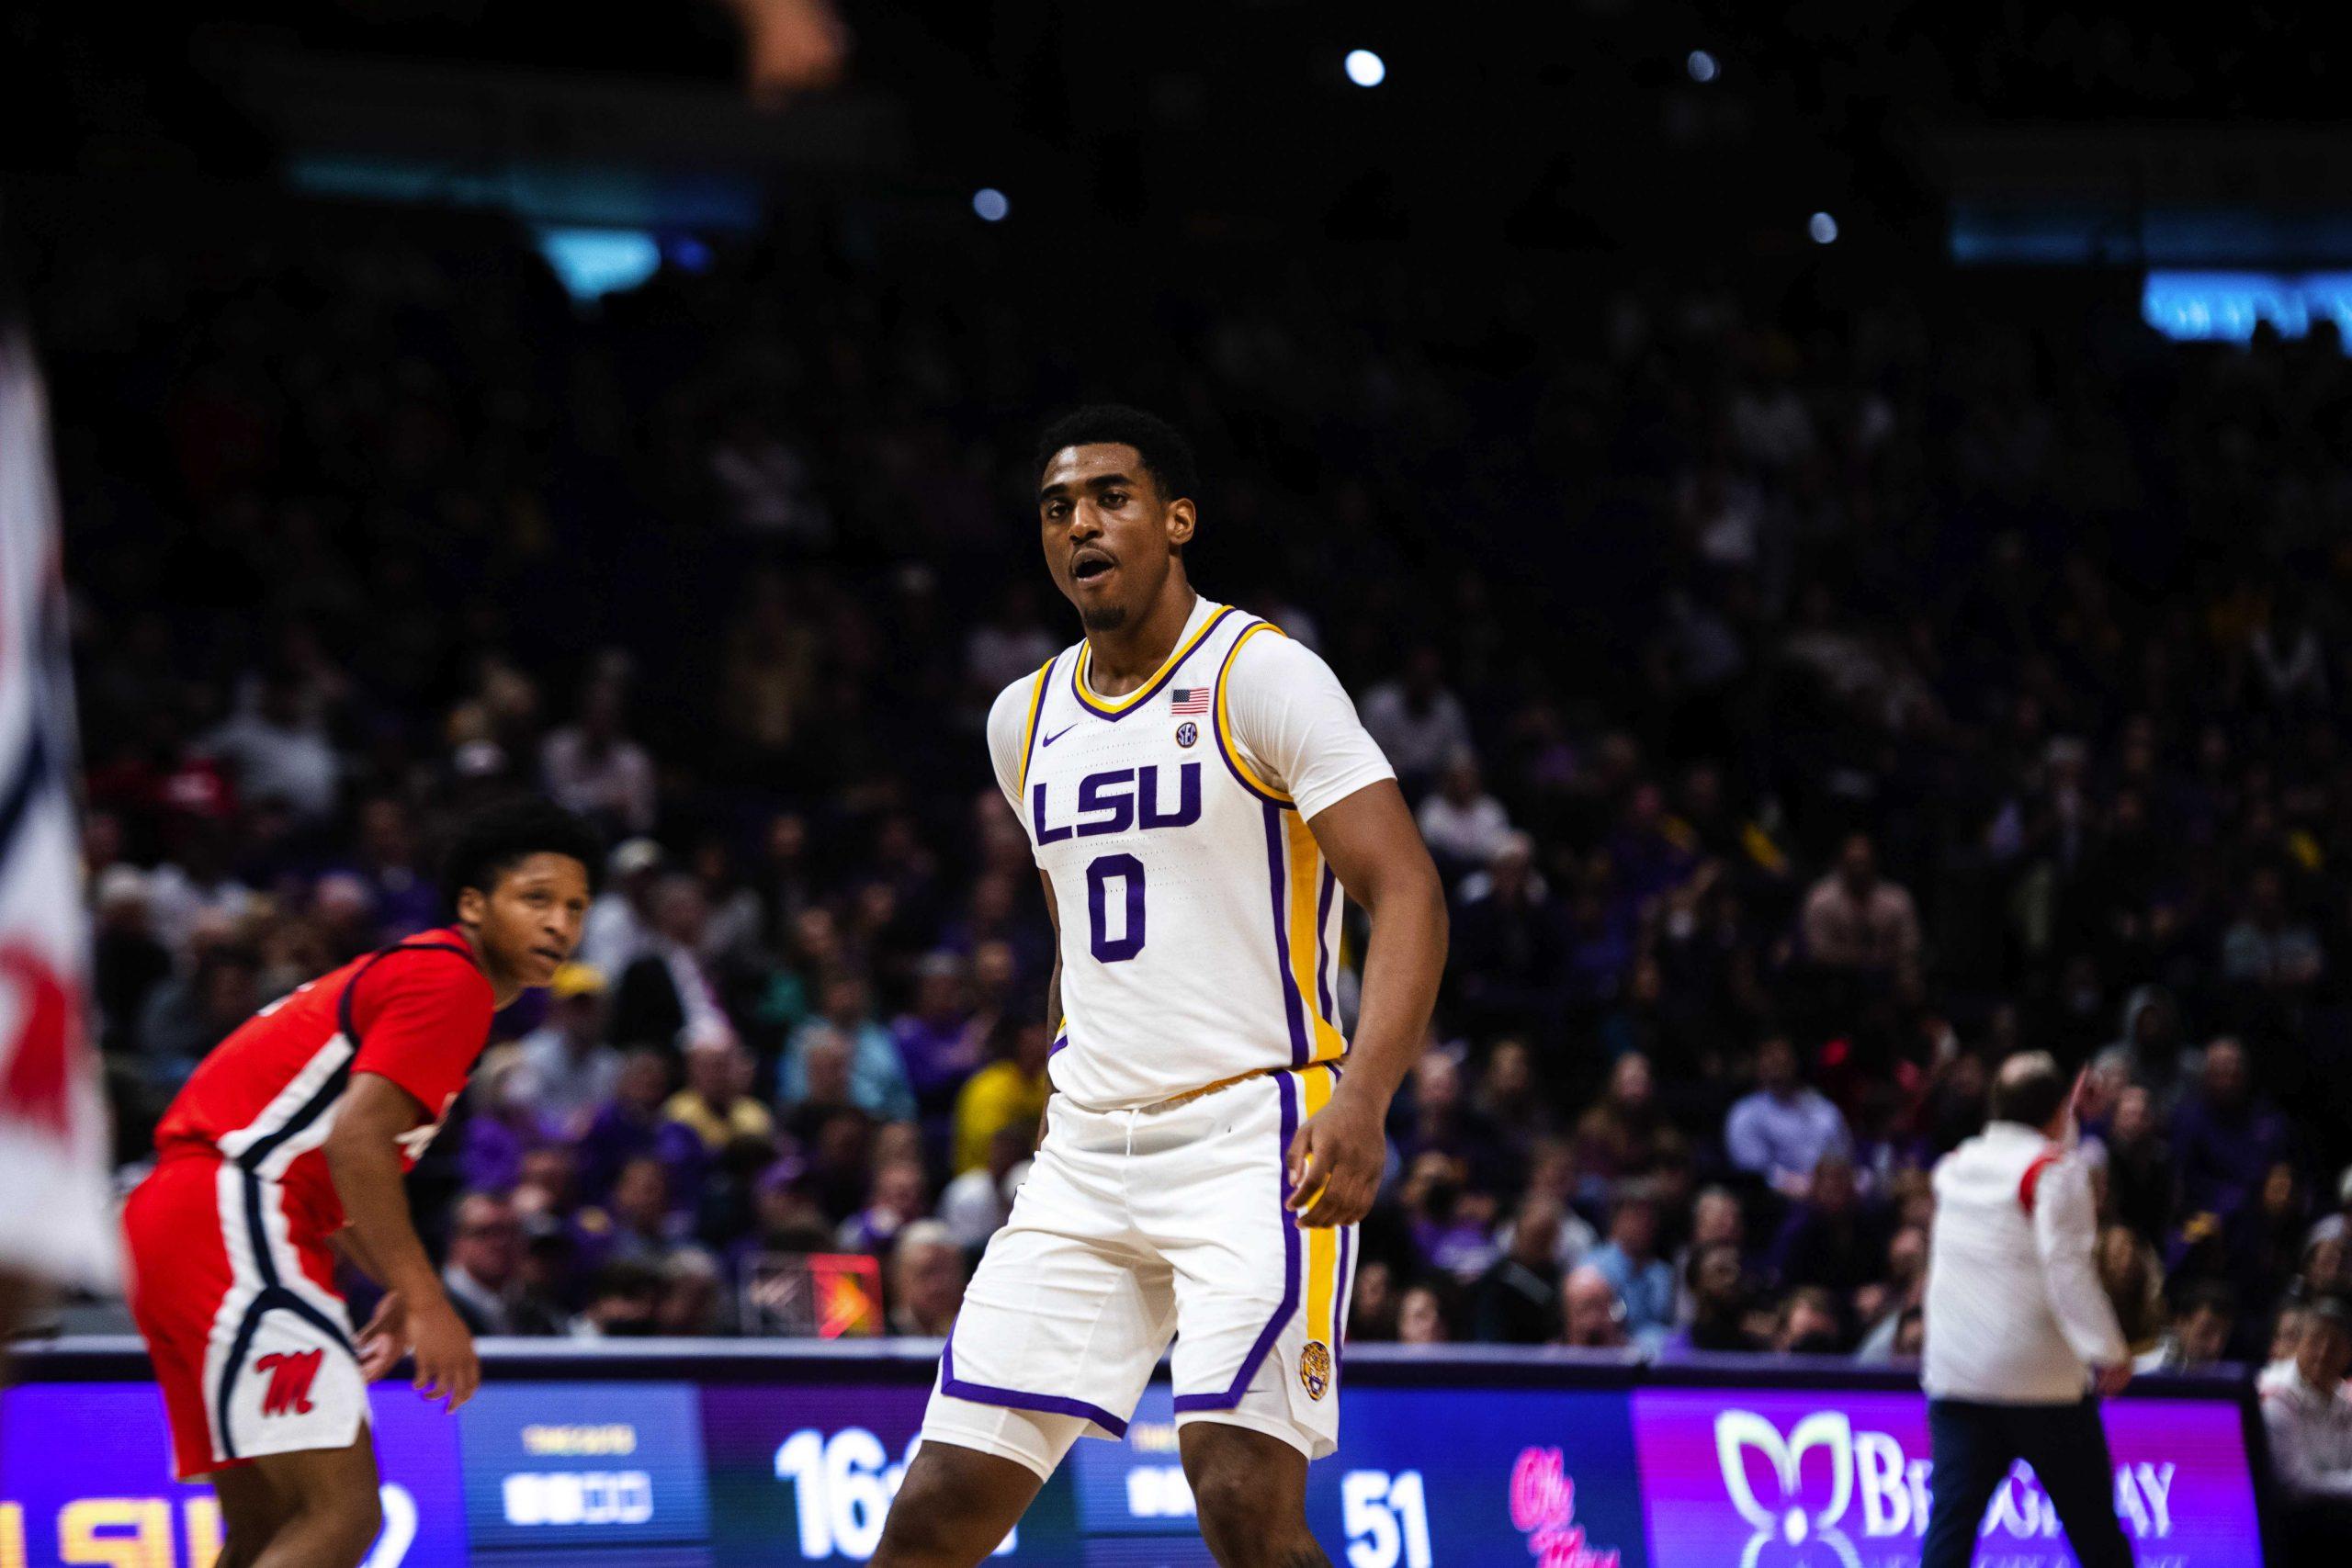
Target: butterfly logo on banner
x=1796, y=1524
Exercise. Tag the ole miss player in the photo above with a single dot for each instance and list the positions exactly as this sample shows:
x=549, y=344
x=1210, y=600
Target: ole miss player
x=295, y=1131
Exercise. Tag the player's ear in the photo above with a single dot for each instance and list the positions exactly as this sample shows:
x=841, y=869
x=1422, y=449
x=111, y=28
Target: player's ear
x=1181, y=522
x=471, y=905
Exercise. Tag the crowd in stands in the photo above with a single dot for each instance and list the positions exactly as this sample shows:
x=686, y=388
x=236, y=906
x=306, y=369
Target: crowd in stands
x=1808, y=703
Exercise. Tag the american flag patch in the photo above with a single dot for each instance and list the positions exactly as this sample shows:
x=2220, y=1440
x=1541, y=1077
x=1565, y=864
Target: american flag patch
x=1188, y=699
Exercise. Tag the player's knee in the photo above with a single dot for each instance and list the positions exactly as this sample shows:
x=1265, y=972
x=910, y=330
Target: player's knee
x=1239, y=1511
x=932, y=1518
x=346, y=1527
x=916, y=1533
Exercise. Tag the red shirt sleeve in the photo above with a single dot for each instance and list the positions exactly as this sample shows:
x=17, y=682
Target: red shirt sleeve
x=422, y=1019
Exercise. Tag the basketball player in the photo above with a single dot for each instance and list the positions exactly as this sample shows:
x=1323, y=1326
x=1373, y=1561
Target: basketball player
x=1196, y=787
x=295, y=1131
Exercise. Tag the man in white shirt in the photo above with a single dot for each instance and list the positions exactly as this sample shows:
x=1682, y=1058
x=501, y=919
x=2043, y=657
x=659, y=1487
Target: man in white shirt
x=2307, y=1409
x=2017, y=1325
x=1417, y=722
x=1462, y=824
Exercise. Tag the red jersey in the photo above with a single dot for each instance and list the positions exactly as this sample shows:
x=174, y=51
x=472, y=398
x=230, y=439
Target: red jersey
x=417, y=1013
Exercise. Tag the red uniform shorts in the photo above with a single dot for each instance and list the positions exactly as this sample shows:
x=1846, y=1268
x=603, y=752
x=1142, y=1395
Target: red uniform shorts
x=237, y=1300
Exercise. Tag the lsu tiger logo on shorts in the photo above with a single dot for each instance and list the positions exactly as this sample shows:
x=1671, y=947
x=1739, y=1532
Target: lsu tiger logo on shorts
x=1315, y=1369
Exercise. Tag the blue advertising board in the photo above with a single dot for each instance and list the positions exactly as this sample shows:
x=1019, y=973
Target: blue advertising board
x=763, y=1459
x=549, y=1465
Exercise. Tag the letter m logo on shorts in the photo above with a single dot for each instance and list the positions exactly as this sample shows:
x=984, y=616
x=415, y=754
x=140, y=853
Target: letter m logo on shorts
x=289, y=1380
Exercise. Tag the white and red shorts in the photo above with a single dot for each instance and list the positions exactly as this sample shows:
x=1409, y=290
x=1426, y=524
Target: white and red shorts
x=237, y=1303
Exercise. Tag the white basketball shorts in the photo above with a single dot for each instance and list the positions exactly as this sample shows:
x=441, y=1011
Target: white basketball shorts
x=1134, y=1227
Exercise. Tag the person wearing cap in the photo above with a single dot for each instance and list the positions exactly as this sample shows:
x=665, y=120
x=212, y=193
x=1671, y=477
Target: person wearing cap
x=573, y=1067
x=621, y=923
x=2019, y=1329
x=2307, y=1410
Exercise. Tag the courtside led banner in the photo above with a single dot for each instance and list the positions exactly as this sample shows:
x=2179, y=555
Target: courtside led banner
x=763, y=1471
x=86, y=1477
x=1750, y=1479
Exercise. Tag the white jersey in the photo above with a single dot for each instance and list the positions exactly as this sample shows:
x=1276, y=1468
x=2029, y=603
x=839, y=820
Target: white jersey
x=1199, y=920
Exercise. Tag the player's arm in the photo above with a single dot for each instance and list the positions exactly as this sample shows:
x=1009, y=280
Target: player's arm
x=347, y=1241
x=364, y=1161
x=1376, y=853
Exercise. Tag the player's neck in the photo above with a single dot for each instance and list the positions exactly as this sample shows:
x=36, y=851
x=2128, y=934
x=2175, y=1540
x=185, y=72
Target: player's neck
x=503, y=987
x=1117, y=661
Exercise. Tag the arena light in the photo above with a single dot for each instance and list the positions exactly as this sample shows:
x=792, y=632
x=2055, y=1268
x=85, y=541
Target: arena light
x=1823, y=227
x=1366, y=69
x=592, y=263
x=2227, y=306
x=1701, y=65
x=990, y=204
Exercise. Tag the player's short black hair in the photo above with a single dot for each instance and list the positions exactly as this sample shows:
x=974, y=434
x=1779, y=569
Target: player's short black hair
x=487, y=844
x=1162, y=446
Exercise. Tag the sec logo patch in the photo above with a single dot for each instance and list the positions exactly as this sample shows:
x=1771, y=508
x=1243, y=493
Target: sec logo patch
x=1315, y=1369
x=1187, y=733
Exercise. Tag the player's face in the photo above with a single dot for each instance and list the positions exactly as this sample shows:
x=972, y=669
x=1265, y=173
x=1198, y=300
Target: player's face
x=1109, y=534
x=531, y=921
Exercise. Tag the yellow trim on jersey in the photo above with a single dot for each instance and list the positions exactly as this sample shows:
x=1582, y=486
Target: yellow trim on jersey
x=1224, y=724
x=1121, y=704
x=1315, y=1086
x=1029, y=730
x=1305, y=934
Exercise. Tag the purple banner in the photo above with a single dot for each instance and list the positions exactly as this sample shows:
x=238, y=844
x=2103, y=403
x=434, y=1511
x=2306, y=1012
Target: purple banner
x=1738, y=1478
x=86, y=1477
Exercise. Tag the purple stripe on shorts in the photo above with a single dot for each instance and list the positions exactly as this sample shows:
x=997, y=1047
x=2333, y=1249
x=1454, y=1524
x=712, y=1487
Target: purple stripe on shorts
x=1014, y=1399
x=1286, y=1087
x=1347, y=1288
x=1323, y=946
x=1292, y=1009
x=1059, y=1042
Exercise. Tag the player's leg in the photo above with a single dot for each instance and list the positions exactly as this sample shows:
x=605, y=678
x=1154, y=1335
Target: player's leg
x=1973, y=1451
x=1059, y=1330
x=252, y=1512
x=1250, y=1490
x=954, y=1508
x=330, y=1510
x=1260, y=1304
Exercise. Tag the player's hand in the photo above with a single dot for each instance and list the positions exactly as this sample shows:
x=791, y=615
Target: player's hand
x=385, y=1339
x=446, y=1367
x=2112, y=1380
x=1335, y=1160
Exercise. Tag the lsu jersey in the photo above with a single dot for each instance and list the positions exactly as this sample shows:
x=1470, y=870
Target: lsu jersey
x=1199, y=920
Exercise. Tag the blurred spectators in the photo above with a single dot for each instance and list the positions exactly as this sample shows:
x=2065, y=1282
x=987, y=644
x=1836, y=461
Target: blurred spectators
x=1592, y=1317
x=571, y=1068
x=1517, y=1300
x=926, y=1280
x=1641, y=1280
x=2307, y=1408
x=1784, y=1130
x=1887, y=680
